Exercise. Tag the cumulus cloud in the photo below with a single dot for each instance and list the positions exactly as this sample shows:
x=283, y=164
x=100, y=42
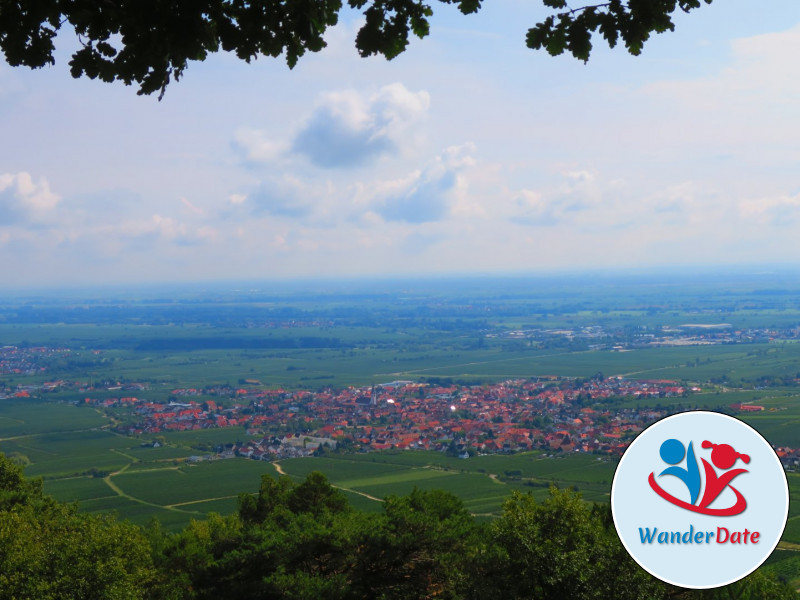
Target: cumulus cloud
x=426, y=195
x=425, y=200
x=346, y=129
x=167, y=229
x=349, y=129
x=342, y=132
x=782, y=210
x=256, y=147
x=429, y=194
x=23, y=201
x=285, y=196
x=95, y=226
x=577, y=192
x=587, y=202
x=533, y=209
x=282, y=198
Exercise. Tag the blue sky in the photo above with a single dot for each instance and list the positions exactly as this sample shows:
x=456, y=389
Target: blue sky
x=467, y=154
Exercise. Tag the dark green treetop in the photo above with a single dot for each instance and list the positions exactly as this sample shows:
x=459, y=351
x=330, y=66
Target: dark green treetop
x=50, y=551
x=303, y=541
x=150, y=42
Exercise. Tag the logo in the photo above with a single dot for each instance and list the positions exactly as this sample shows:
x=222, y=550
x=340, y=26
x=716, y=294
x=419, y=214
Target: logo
x=723, y=456
x=699, y=499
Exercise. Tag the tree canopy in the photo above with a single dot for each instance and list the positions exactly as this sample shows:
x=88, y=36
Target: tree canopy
x=50, y=551
x=303, y=541
x=151, y=42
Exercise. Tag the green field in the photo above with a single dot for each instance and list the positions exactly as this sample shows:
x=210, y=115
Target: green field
x=365, y=334
x=105, y=471
x=361, y=355
x=138, y=482
x=191, y=483
x=26, y=416
x=176, y=493
x=483, y=482
x=78, y=489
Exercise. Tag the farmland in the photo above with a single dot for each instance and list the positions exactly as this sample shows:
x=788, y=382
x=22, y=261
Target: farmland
x=107, y=472
x=104, y=471
x=736, y=341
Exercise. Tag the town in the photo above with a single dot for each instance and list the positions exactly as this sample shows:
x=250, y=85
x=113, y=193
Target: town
x=555, y=414
x=551, y=413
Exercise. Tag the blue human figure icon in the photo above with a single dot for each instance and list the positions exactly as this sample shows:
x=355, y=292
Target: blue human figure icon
x=672, y=452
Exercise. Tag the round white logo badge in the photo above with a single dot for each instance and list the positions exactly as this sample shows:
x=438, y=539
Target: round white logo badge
x=699, y=499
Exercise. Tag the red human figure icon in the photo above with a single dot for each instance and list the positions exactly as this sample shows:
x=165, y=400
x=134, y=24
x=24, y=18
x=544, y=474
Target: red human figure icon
x=724, y=457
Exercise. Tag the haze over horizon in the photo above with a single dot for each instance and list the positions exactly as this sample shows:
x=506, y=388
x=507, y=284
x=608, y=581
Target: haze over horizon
x=467, y=154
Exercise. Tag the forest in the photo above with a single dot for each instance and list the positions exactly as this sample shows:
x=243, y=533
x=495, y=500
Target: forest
x=305, y=541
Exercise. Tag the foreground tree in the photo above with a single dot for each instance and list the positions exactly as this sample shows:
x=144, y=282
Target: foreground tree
x=562, y=548
x=760, y=585
x=291, y=541
x=48, y=551
x=420, y=548
x=304, y=542
x=150, y=42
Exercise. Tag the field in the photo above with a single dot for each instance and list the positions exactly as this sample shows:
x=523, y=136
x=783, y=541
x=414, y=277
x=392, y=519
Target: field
x=482, y=482
x=25, y=417
x=141, y=490
x=104, y=472
x=358, y=335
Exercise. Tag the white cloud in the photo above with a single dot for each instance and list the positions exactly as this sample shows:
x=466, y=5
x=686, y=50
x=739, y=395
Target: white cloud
x=781, y=211
x=609, y=163
x=350, y=129
x=156, y=232
x=346, y=129
x=431, y=193
x=394, y=108
x=767, y=64
x=256, y=147
x=426, y=195
x=23, y=201
x=284, y=196
x=579, y=197
x=746, y=110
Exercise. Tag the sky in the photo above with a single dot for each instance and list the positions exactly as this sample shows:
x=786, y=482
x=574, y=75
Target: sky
x=468, y=154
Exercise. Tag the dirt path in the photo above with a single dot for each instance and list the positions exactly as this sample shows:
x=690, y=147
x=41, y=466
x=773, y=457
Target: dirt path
x=170, y=506
x=41, y=433
x=117, y=490
x=133, y=459
x=338, y=487
x=665, y=367
x=280, y=471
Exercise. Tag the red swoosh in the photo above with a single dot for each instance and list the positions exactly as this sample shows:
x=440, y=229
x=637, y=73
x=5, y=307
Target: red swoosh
x=737, y=508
